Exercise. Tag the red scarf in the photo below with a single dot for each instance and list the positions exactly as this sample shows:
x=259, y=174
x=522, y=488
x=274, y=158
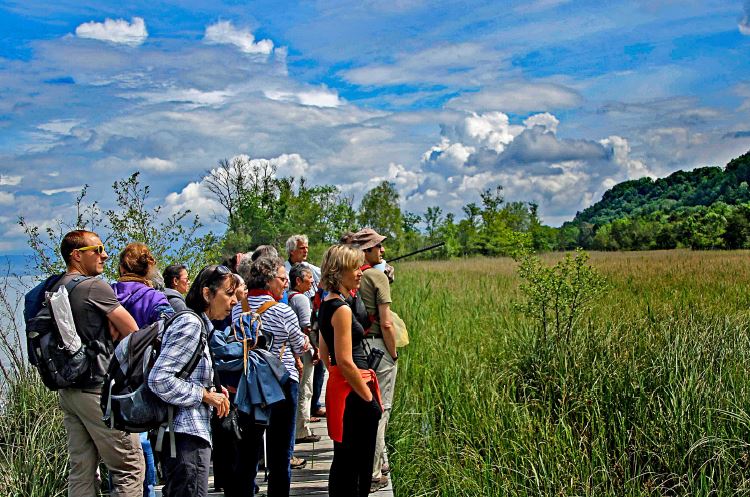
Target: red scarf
x=257, y=292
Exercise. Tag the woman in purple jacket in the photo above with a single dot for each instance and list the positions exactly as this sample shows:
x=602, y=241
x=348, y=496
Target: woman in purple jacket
x=146, y=305
x=134, y=288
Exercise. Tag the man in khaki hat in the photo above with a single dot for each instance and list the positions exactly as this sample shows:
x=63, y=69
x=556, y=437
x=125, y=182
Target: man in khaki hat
x=375, y=290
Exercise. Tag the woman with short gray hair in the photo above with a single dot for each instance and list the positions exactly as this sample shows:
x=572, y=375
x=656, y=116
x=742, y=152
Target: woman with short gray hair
x=266, y=281
x=300, y=281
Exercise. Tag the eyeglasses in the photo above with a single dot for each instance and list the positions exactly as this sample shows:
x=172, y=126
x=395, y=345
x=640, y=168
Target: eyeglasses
x=283, y=278
x=99, y=249
x=222, y=270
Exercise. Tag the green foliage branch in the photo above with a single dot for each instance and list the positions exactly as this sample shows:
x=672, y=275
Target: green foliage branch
x=173, y=238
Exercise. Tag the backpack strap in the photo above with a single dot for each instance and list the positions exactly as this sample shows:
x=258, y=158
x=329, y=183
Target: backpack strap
x=263, y=308
x=70, y=285
x=183, y=374
x=190, y=366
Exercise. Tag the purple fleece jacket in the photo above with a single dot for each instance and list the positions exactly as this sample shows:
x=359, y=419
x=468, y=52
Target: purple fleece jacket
x=144, y=303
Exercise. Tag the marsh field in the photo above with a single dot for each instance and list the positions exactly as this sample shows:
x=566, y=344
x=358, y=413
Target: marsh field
x=648, y=395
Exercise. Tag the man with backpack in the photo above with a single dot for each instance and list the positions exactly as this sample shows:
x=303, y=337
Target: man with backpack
x=99, y=321
x=375, y=290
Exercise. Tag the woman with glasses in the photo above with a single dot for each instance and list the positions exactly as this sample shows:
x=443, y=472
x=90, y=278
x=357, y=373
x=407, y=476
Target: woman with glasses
x=211, y=296
x=352, y=392
x=266, y=281
x=176, y=282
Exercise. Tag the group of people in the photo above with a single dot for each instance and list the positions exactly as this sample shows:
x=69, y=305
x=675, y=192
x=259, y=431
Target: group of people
x=334, y=318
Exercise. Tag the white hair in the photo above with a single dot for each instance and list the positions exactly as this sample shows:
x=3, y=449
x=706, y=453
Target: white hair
x=292, y=241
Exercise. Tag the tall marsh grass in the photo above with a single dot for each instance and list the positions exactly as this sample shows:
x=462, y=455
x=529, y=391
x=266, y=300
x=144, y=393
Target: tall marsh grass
x=648, y=396
x=33, y=450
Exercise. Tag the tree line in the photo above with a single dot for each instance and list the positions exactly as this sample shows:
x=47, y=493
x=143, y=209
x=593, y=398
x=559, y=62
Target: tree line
x=707, y=208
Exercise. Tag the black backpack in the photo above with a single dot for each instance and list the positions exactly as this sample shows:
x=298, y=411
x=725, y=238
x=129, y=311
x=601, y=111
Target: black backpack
x=127, y=403
x=58, y=367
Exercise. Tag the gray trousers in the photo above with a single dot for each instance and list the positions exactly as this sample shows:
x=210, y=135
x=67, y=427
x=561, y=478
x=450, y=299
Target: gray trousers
x=89, y=439
x=305, y=397
x=386, y=373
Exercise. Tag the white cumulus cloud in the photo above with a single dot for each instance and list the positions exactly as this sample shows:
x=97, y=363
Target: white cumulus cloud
x=156, y=164
x=530, y=161
x=224, y=32
x=197, y=197
x=117, y=31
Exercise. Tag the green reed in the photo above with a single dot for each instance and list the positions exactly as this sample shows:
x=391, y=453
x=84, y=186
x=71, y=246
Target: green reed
x=33, y=450
x=647, y=396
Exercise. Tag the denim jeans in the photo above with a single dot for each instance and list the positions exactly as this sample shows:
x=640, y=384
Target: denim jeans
x=150, y=481
x=279, y=448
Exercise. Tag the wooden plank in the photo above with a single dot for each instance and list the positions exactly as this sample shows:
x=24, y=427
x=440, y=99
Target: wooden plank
x=312, y=480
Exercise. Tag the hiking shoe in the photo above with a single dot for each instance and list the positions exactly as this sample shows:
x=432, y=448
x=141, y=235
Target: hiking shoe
x=385, y=469
x=297, y=462
x=378, y=483
x=307, y=439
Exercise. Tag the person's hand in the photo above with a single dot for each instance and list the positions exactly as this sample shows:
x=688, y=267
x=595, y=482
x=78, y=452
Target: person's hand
x=219, y=401
x=390, y=271
x=316, y=356
x=298, y=365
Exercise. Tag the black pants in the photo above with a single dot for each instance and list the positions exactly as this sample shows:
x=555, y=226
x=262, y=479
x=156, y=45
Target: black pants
x=279, y=447
x=224, y=454
x=351, y=469
x=187, y=473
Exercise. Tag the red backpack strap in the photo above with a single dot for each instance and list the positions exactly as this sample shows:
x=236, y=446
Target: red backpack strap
x=317, y=299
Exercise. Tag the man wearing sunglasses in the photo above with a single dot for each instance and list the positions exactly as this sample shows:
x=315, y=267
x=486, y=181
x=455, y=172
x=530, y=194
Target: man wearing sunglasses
x=100, y=320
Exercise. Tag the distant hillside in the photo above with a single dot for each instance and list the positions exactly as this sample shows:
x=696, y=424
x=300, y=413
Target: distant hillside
x=706, y=208
x=702, y=186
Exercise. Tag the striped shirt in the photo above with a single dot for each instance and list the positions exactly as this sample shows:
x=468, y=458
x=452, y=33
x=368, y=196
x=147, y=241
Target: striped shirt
x=281, y=322
x=179, y=342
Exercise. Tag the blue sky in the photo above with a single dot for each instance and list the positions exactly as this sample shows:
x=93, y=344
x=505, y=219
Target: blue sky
x=555, y=100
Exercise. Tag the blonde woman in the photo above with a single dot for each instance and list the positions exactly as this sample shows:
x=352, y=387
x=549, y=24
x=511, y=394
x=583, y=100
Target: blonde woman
x=352, y=393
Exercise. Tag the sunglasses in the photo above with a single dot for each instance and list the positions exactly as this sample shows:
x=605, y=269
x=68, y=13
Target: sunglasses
x=99, y=249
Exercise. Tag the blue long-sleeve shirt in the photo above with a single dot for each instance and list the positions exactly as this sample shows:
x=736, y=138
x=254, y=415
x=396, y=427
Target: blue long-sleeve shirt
x=179, y=343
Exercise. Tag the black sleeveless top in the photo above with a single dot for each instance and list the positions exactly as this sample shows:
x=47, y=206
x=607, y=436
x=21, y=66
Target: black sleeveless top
x=327, y=309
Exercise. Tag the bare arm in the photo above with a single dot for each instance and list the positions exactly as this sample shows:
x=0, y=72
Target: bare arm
x=342, y=339
x=121, y=323
x=387, y=328
x=323, y=349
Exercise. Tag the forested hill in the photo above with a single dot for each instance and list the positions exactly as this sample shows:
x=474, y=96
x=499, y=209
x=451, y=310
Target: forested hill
x=708, y=207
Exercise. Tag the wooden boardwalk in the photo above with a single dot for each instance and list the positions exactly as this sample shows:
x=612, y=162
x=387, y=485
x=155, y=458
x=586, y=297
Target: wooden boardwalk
x=313, y=478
